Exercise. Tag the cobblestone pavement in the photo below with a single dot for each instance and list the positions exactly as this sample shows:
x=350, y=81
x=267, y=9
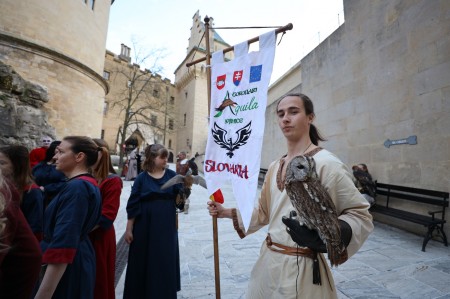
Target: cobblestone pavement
x=389, y=265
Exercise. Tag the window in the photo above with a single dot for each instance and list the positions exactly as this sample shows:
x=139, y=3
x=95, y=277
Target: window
x=153, y=119
x=91, y=4
x=105, y=75
x=155, y=93
x=186, y=94
x=102, y=135
x=170, y=124
x=184, y=121
x=172, y=101
x=105, y=108
x=170, y=143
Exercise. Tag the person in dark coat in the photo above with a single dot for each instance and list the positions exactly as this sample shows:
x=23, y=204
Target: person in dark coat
x=153, y=269
x=47, y=177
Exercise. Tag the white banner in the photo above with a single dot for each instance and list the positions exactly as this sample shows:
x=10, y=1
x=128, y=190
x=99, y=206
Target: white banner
x=236, y=124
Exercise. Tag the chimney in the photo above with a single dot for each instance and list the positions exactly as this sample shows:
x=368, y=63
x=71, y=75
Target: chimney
x=125, y=52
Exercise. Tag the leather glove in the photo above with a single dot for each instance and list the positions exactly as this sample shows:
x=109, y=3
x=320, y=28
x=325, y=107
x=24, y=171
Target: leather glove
x=302, y=235
x=306, y=237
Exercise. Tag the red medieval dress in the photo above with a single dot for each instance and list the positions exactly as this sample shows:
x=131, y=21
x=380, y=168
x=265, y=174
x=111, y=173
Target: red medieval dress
x=20, y=255
x=104, y=238
x=37, y=155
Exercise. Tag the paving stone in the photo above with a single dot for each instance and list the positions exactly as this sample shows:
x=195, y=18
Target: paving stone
x=389, y=265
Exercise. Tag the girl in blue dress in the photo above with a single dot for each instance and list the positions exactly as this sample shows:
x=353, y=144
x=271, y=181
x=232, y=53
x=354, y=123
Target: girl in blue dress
x=68, y=219
x=153, y=269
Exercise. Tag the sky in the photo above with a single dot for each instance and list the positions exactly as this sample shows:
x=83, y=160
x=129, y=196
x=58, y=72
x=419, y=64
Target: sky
x=165, y=24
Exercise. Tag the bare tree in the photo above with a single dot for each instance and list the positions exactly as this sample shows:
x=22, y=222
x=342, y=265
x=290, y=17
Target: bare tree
x=141, y=97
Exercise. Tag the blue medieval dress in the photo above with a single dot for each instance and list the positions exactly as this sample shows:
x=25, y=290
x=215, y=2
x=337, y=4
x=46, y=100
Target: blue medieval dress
x=47, y=176
x=153, y=269
x=68, y=219
x=33, y=209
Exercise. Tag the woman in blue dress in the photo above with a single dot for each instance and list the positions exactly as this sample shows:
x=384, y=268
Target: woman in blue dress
x=68, y=219
x=153, y=269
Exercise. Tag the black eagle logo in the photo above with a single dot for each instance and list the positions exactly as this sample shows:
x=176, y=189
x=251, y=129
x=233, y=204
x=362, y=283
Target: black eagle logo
x=220, y=138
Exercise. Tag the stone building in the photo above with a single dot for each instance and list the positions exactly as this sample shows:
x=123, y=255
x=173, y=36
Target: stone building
x=147, y=99
x=383, y=75
x=61, y=46
x=191, y=86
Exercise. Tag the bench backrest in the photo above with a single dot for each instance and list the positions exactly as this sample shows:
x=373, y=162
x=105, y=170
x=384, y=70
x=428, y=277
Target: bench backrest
x=432, y=197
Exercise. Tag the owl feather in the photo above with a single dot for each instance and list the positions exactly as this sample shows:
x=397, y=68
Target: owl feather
x=314, y=206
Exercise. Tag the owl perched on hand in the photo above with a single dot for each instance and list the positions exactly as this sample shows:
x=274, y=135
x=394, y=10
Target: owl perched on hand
x=314, y=205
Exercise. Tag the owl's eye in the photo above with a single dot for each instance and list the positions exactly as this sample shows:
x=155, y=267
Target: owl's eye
x=300, y=167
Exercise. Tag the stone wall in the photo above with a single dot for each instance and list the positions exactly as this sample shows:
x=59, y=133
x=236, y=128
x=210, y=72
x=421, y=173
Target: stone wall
x=76, y=95
x=69, y=27
x=22, y=119
x=384, y=74
x=46, y=42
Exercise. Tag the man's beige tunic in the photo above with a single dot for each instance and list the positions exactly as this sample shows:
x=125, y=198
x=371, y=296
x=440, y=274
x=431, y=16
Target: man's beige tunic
x=274, y=274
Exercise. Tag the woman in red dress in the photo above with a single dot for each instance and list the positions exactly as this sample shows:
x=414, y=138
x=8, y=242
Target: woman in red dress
x=103, y=237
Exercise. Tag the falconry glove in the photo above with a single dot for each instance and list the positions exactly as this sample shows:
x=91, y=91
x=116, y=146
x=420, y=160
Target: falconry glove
x=303, y=236
x=310, y=238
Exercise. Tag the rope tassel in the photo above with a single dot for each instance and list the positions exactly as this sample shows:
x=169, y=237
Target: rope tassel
x=316, y=270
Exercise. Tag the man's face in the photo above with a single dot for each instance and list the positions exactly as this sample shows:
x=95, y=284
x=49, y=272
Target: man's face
x=46, y=141
x=292, y=118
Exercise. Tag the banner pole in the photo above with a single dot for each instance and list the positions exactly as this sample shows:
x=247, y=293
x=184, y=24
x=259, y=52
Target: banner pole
x=229, y=49
x=214, y=218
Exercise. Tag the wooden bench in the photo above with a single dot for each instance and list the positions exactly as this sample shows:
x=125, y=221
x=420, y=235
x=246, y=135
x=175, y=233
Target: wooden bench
x=394, y=193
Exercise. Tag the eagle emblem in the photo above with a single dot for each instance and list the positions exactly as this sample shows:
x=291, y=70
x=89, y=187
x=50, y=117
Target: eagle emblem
x=220, y=138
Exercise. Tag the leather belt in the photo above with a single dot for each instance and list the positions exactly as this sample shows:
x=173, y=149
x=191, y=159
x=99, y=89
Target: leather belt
x=295, y=251
x=298, y=251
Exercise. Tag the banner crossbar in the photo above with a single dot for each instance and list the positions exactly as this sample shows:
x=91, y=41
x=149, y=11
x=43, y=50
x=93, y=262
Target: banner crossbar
x=250, y=41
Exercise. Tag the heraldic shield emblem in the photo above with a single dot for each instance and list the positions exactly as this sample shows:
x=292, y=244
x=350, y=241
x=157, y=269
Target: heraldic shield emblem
x=220, y=83
x=237, y=77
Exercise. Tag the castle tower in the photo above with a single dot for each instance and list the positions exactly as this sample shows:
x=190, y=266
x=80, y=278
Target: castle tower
x=61, y=46
x=192, y=95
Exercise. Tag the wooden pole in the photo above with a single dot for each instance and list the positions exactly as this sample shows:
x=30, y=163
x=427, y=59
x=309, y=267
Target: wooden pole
x=214, y=218
x=208, y=78
x=250, y=41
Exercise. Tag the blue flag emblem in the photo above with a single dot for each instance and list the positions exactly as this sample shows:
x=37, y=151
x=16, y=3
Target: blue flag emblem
x=255, y=73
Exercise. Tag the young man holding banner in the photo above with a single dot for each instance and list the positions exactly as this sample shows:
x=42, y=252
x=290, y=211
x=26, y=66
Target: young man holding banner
x=285, y=267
